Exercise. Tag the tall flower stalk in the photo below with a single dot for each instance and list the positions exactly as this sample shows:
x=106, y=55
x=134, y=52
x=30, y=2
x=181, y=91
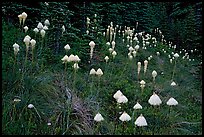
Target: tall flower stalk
x=176, y=55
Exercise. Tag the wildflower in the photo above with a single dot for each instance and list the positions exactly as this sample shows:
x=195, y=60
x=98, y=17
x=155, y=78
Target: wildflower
x=92, y=44
x=154, y=74
x=122, y=99
x=99, y=72
x=154, y=100
x=76, y=58
x=71, y=58
x=108, y=43
x=30, y=106
x=114, y=54
x=36, y=30
x=87, y=32
x=130, y=57
x=98, y=117
x=47, y=23
x=141, y=121
x=173, y=83
x=42, y=32
x=125, y=117
x=176, y=55
x=106, y=59
x=16, y=100
x=113, y=44
x=49, y=124
x=63, y=29
x=76, y=66
x=131, y=49
x=117, y=94
x=138, y=67
x=172, y=102
x=24, y=16
x=67, y=47
x=92, y=72
x=65, y=59
x=134, y=53
x=45, y=28
x=40, y=26
x=20, y=18
x=137, y=106
x=15, y=48
x=25, y=28
x=27, y=41
x=32, y=42
x=137, y=47
x=110, y=50
x=170, y=60
x=145, y=66
x=158, y=53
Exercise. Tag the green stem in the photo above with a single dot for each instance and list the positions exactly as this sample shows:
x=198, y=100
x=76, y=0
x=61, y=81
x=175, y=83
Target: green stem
x=174, y=70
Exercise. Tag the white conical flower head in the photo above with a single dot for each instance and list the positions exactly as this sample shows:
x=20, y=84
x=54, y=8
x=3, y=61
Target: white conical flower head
x=98, y=117
x=145, y=62
x=47, y=23
x=76, y=66
x=33, y=42
x=122, y=99
x=137, y=47
x=173, y=83
x=106, y=58
x=76, y=58
x=92, y=71
x=63, y=28
x=26, y=40
x=141, y=121
x=176, y=55
x=114, y=54
x=45, y=28
x=25, y=28
x=131, y=49
x=42, y=32
x=24, y=15
x=154, y=100
x=71, y=58
x=108, y=43
x=92, y=44
x=142, y=82
x=20, y=18
x=154, y=73
x=40, y=26
x=67, y=47
x=110, y=50
x=113, y=44
x=36, y=30
x=158, y=53
x=99, y=72
x=30, y=106
x=130, y=57
x=87, y=32
x=65, y=59
x=134, y=53
x=117, y=94
x=137, y=106
x=172, y=102
x=16, y=46
x=125, y=117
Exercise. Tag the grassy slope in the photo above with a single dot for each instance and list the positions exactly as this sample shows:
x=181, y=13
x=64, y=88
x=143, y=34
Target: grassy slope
x=47, y=91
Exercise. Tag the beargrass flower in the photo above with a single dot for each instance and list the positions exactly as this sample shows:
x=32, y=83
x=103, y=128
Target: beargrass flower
x=154, y=100
x=63, y=29
x=24, y=16
x=172, y=102
x=99, y=72
x=154, y=74
x=25, y=28
x=125, y=117
x=98, y=117
x=20, y=18
x=76, y=66
x=137, y=106
x=122, y=99
x=16, y=100
x=117, y=94
x=113, y=44
x=45, y=28
x=42, y=32
x=176, y=55
x=30, y=106
x=106, y=58
x=92, y=72
x=15, y=48
x=67, y=47
x=141, y=121
x=36, y=30
x=173, y=83
x=65, y=59
x=145, y=66
x=40, y=26
x=47, y=23
x=114, y=54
